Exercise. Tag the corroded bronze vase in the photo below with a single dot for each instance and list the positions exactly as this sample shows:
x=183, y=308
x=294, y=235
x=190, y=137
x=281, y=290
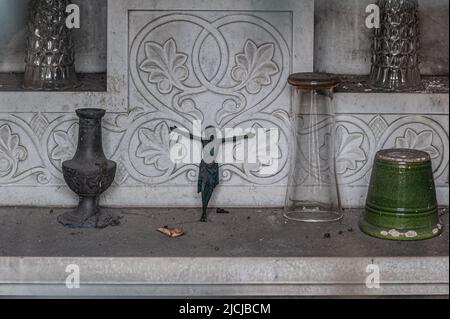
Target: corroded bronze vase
x=89, y=174
x=401, y=204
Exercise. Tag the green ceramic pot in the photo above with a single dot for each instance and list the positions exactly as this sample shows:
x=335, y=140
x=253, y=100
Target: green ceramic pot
x=401, y=204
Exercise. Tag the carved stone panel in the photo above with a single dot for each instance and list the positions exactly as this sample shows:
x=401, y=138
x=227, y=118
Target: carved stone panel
x=225, y=64
x=221, y=68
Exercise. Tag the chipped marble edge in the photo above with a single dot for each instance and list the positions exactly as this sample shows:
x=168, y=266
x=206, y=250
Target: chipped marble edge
x=224, y=276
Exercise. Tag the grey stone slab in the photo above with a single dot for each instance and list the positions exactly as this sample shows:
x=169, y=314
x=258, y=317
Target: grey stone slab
x=209, y=277
x=244, y=253
x=91, y=82
x=46, y=130
x=32, y=232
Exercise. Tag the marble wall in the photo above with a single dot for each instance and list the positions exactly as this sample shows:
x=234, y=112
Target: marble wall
x=343, y=52
x=223, y=63
x=342, y=41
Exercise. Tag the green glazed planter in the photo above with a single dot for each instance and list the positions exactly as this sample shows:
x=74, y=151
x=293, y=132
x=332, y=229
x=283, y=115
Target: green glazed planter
x=401, y=204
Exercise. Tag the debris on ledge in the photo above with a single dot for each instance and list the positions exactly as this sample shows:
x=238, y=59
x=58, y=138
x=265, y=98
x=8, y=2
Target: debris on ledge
x=358, y=84
x=171, y=232
x=92, y=82
x=244, y=233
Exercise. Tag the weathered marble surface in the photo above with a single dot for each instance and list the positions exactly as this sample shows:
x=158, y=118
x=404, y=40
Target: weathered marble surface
x=249, y=252
x=346, y=51
x=204, y=55
x=39, y=142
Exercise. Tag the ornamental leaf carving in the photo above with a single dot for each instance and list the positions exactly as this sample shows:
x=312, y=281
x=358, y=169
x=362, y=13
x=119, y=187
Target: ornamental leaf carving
x=66, y=144
x=154, y=147
x=166, y=67
x=11, y=152
x=349, y=150
x=419, y=141
x=255, y=66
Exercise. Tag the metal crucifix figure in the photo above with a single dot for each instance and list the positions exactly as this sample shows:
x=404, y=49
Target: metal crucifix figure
x=208, y=177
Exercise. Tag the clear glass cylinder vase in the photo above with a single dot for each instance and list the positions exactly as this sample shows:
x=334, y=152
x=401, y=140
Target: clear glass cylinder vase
x=313, y=192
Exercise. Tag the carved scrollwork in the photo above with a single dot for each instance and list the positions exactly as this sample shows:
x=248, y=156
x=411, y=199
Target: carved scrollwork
x=154, y=147
x=177, y=82
x=11, y=152
x=349, y=150
x=255, y=66
x=222, y=77
x=166, y=66
x=66, y=144
x=422, y=141
x=243, y=76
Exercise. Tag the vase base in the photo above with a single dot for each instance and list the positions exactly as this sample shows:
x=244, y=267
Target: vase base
x=394, y=80
x=306, y=216
x=401, y=235
x=100, y=220
x=39, y=78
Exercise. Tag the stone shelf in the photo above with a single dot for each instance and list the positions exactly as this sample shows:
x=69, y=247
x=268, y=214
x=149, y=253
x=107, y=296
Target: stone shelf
x=358, y=84
x=96, y=82
x=246, y=252
x=91, y=82
x=97, y=90
x=353, y=96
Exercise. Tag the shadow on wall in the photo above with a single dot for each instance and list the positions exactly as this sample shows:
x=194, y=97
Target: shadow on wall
x=13, y=16
x=434, y=24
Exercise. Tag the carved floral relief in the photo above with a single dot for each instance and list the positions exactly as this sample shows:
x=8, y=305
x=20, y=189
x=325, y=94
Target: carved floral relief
x=239, y=61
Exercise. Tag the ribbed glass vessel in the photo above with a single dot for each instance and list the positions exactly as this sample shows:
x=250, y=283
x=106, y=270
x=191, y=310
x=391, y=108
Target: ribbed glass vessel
x=395, y=46
x=50, y=56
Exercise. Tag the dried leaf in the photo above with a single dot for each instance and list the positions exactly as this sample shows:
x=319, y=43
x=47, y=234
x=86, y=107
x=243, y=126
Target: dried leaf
x=171, y=232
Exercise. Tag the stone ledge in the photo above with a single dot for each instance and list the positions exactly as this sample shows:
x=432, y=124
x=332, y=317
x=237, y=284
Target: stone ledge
x=201, y=277
x=91, y=82
x=359, y=84
x=248, y=252
x=352, y=97
x=97, y=89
